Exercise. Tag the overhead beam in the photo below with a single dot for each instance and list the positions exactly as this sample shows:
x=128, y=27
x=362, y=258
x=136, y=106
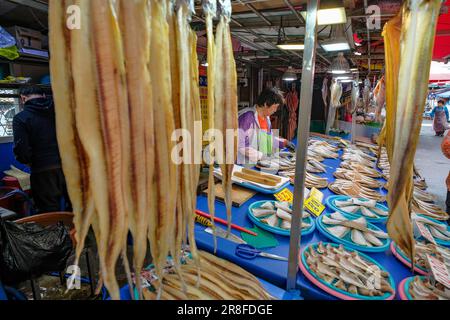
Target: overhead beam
x=295, y=12
x=32, y=4
x=259, y=14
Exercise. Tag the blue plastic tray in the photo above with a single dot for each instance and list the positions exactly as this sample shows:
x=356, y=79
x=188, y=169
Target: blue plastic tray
x=336, y=291
x=438, y=241
x=275, y=230
x=330, y=202
x=347, y=239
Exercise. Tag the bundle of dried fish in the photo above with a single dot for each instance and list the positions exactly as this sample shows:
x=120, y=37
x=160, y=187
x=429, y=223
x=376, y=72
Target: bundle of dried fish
x=321, y=150
x=225, y=96
x=357, y=158
x=420, y=183
x=355, y=190
x=367, y=171
x=423, y=249
x=278, y=215
x=364, y=207
x=354, y=230
x=312, y=181
x=355, y=176
x=429, y=209
x=357, y=151
x=440, y=231
x=348, y=271
x=423, y=195
x=421, y=288
x=236, y=284
x=417, y=42
x=323, y=143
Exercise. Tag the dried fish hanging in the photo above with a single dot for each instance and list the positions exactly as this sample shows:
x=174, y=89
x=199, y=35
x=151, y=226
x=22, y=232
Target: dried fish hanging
x=135, y=24
x=210, y=11
x=226, y=111
x=162, y=222
x=106, y=123
x=335, y=102
x=417, y=41
x=391, y=34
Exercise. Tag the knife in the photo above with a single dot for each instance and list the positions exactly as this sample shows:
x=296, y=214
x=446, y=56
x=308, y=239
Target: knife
x=222, y=233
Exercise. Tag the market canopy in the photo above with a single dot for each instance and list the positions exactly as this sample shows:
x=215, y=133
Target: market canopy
x=442, y=45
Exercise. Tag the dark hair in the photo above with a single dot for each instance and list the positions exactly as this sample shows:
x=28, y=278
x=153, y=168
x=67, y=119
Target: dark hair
x=31, y=90
x=441, y=101
x=269, y=97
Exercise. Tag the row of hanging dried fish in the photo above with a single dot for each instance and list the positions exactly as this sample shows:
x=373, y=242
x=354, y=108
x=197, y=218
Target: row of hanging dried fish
x=409, y=39
x=123, y=83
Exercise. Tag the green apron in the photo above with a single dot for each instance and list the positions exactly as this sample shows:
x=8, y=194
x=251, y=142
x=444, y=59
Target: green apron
x=265, y=142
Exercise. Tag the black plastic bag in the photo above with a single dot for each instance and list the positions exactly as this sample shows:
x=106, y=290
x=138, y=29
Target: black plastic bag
x=29, y=250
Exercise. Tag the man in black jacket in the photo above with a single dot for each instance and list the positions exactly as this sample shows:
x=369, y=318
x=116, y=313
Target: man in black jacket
x=35, y=145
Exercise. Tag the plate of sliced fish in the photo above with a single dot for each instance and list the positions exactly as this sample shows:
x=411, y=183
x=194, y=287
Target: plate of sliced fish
x=421, y=288
x=373, y=211
x=276, y=217
x=262, y=182
x=346, y=273
x=422, y=249
x=354, y=189
x=438, y=229
x=356, y=233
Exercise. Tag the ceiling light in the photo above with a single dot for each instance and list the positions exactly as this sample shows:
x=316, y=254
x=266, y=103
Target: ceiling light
x=290, y=75
x=357, y=53
x=336, y=45
x=346, y=80
x=291, y=46
x=340, y=65
x=329, y=16
x=343, y=78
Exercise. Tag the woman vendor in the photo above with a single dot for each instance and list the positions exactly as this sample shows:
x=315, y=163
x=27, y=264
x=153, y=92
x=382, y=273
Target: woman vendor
x=441, y=117
x=256, y=139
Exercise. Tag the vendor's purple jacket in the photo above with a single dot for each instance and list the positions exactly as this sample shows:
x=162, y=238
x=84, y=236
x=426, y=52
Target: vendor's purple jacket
x=249, y=127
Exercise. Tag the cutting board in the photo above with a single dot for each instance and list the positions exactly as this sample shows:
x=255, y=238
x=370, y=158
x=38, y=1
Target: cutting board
x=239, y=195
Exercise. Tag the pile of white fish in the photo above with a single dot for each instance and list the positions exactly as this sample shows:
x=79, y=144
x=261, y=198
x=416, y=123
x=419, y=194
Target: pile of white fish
x=347, y=271
x=422, y=249
x=340, y=226
x=354, y=189
x=421, y=288
x=319, y=148
x=355, y=176
x=278, y=215
x=437, y=230
x=429, y=209
x=364, y=207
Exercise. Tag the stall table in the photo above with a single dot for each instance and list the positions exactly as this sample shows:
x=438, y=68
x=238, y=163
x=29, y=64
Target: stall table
x=274, y=271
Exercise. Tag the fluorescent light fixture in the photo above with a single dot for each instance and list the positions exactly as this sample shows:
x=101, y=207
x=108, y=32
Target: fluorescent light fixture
x=329, y=16
x=291, y=46
x=346, y=80
x=290, y=75
x=343, y=78
x=338, y=71
x=336, y=45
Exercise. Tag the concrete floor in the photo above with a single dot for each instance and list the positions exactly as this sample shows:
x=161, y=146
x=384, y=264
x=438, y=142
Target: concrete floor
x=431, y=163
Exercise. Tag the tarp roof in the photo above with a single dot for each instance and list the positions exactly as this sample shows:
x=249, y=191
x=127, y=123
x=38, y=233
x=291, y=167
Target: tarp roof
x=442, y=46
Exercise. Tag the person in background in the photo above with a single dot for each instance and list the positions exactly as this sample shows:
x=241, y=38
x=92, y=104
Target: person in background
x=446, y=152
x=35, y=145
x=256, y=139
x=441, y=119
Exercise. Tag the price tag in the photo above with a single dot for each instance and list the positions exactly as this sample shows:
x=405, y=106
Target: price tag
x=285, y=195
x=314, y=206
x=439, y=270
x=316, y=194
x=424, y=232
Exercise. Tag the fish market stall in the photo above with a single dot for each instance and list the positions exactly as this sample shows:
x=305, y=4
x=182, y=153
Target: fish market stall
x=275, y=271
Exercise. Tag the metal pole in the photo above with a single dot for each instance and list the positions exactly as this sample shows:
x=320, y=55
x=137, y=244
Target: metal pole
x=304, y=121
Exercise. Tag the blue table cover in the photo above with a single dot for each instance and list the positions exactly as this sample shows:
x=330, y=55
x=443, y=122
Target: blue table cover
x=274, y=271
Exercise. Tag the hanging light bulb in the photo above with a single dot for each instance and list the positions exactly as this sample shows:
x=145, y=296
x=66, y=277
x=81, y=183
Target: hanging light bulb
x=289, y=75
x=340, y=65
